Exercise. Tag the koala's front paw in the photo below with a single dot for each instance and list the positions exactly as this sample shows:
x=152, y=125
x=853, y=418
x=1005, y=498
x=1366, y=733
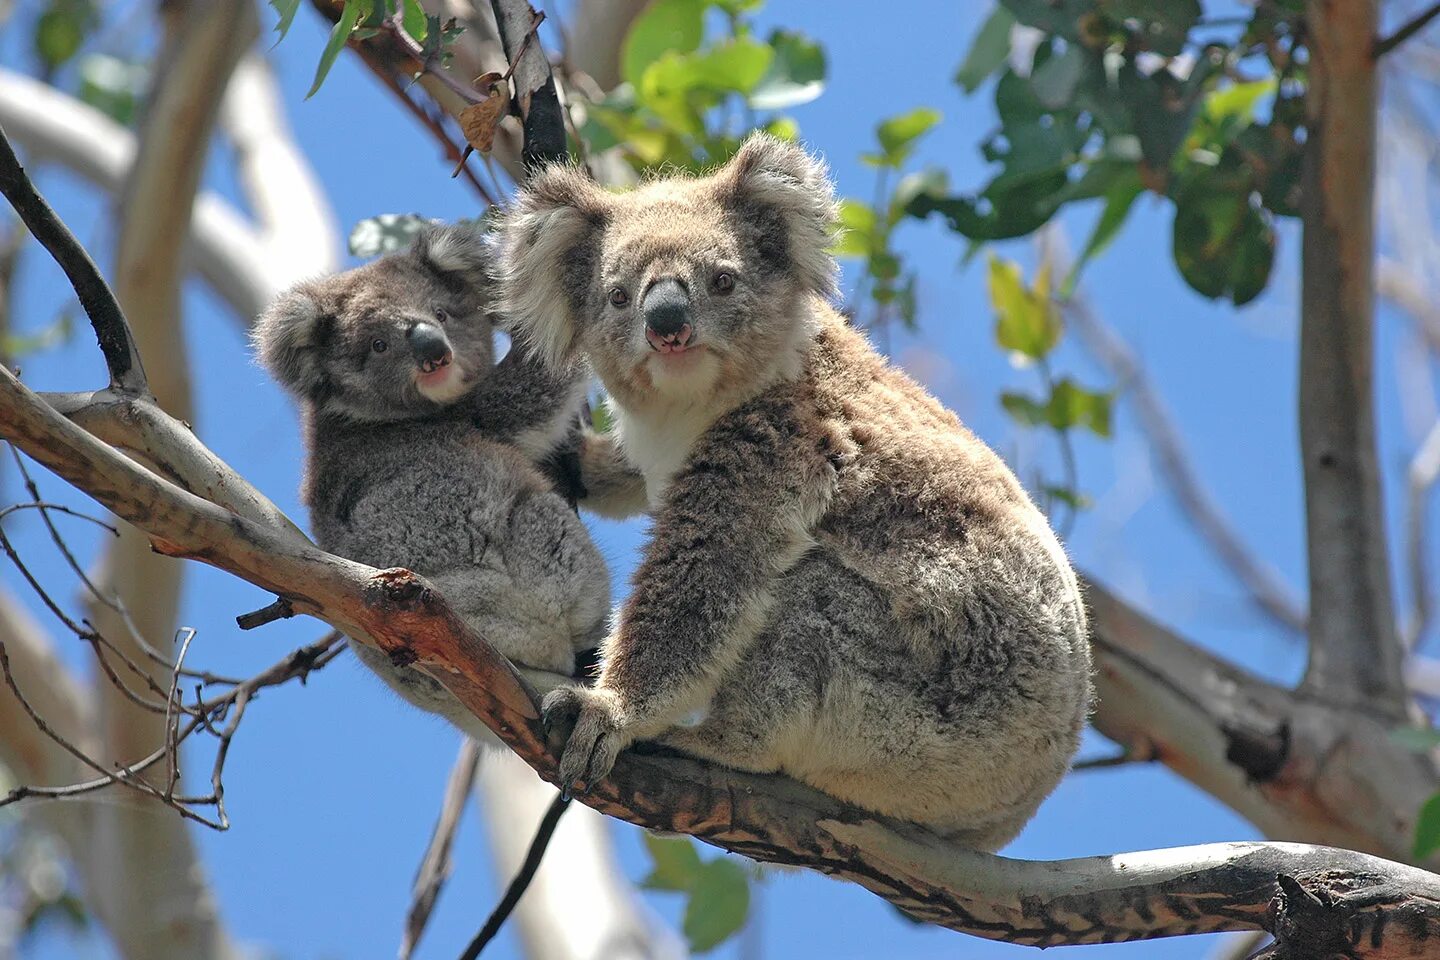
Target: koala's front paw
x=586, y=721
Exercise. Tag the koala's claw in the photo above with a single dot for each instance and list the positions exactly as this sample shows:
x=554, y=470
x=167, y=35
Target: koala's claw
x=592, y=738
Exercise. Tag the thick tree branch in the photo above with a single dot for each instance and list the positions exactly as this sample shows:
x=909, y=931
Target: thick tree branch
x=540, y=112
x=1165, y=893
x=172, y=912
x=1298, y=769
x=1355, y=654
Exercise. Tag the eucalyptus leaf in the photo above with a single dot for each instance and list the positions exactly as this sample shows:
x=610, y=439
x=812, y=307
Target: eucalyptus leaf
x=1026, y=322
x=386, y=233
x=414, y=20
x=286, y=11
x=1427, y=828
x=857, y=229
x=899, y=134
x=666, y=26
x=1055, y=80
x=719, y=904
x=988, y=51
x=676, y=864
x=796, y=74
x=338, y=35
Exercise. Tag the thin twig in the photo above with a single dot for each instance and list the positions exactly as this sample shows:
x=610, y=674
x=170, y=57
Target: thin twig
x=436, y=865
x=1266, y=589
x=1406, y=31
x=522, y=879
x=95, y=295
x=280, y=609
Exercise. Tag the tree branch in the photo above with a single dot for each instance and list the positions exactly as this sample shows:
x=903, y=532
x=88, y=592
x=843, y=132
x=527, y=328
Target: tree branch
x=1224, y=886
x=540, y=112
x=96, y=297
x=1298, y=769
x=243, y=268
x=1405, y=31
x=436, y=864
x=579, y=880
x=1356, y=657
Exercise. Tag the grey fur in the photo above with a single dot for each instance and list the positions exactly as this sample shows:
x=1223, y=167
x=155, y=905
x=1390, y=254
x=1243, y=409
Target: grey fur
x=439, y=478
x=842, y=582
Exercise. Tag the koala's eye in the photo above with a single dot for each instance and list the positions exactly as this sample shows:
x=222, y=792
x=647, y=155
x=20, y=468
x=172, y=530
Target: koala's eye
x=379, y=345
x=440, y=315
x=618, y=297
x=723, y=282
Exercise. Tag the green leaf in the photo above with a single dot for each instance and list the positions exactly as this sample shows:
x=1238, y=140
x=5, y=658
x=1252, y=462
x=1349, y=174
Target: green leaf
x=676, y=864
x=719, y=903
x=113, y=86
x=1024, y=410
x=1222, y=244
x=338, y=35
x=666, y=26
x=385, y=233
x=1073, y=499
x=1025, y=320
x=1163, y=24
x=60, y=30
x=796, y=74
x=414, y=21
x=736, y=65
x=1119, y=198
x=988, y=50
x=1071, y=405
x=1054, y=18
x=1416, y=739
x=1006, y=208
x=857, y=229
x=899, y=134
x=46, y=338
x=286, y=9
x=1427, y=828
x=1055, y=80
x=1237, y=100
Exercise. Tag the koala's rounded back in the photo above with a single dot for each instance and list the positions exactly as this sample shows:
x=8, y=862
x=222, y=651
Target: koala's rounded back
x=394, y=366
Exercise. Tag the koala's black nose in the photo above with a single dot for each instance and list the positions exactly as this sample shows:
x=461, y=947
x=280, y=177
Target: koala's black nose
x=429, y=346
x=666, y=307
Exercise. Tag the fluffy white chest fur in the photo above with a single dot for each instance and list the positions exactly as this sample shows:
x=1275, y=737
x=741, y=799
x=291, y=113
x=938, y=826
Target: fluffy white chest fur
x=658, y=441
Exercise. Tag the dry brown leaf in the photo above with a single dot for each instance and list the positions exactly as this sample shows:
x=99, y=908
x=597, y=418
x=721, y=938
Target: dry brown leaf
x=479, y=120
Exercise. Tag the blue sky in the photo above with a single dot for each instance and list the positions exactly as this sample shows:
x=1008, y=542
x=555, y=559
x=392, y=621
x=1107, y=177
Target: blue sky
x=333, y=788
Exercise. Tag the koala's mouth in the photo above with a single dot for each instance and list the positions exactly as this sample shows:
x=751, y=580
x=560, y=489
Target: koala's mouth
x=670, y=343
x=440, y=380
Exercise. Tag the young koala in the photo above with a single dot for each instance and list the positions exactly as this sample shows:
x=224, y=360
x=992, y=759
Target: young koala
x=422, y=452
x=842, y=583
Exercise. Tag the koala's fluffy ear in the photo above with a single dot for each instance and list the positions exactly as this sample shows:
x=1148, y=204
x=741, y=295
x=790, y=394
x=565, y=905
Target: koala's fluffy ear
x=289, y=338
x=457, y=252
x=547, y=256
x=770, y=179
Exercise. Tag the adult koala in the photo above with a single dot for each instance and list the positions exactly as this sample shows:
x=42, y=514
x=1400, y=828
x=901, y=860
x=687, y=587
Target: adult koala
x=422, y=453
x=843, y=583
